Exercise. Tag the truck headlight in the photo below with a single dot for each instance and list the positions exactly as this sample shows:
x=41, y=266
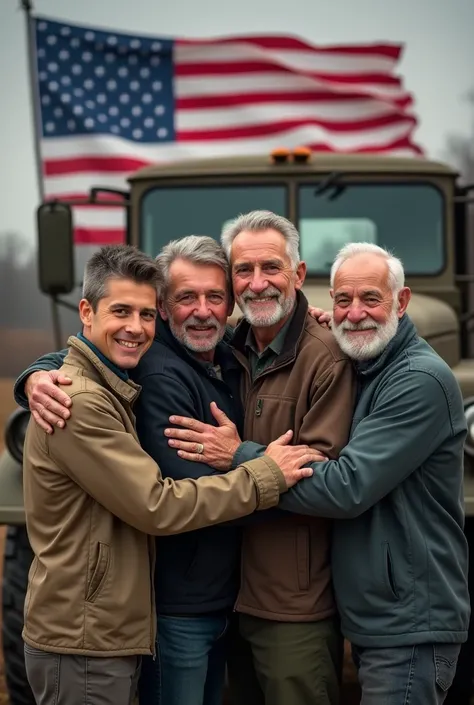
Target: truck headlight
x=15, y=431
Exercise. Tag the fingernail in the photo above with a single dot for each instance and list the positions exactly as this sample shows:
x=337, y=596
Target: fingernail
x=172, y=419
x=167, y=431
x=180, y=452
x=60, y=424
x=171, y=442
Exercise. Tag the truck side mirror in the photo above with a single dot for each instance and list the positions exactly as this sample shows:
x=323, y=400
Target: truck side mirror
x=55, y=248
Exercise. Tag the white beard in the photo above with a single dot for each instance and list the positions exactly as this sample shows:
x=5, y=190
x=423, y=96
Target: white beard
x=279, y=309
x=368, y=346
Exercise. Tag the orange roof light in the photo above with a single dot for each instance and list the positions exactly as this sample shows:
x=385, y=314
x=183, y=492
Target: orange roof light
x=280, y=155
x=301, y=155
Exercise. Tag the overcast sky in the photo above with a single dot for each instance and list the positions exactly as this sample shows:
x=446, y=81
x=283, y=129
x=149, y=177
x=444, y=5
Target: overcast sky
x=438, y=65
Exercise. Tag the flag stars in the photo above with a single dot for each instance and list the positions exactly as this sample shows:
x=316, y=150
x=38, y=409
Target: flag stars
x=87, y=56
x=162, y=132
x=89, y=84
x=157, y=85
x=50, y=127
x=51, y=40
x=90, y=36
x=99, y=71
x=77, y=69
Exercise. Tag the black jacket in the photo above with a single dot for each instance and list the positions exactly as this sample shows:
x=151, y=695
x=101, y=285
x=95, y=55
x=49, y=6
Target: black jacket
x=196, y=572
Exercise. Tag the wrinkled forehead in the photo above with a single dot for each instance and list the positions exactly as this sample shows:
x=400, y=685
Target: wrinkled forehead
x=362, y=271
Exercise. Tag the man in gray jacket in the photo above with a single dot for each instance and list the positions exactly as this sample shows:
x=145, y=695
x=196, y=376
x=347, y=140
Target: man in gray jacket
x=400, y=564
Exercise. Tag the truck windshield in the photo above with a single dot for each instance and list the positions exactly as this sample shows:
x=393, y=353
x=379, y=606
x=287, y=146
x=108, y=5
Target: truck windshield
x=406, y=218
x=170, y=213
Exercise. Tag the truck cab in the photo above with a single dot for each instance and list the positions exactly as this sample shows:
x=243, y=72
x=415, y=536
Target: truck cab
x=414, y=207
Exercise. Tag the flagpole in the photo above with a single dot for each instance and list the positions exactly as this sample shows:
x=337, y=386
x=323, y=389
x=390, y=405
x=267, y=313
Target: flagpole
x=27, y=7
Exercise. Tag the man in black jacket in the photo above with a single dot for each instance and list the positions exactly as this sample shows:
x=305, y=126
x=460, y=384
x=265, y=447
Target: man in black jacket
x=188, y=366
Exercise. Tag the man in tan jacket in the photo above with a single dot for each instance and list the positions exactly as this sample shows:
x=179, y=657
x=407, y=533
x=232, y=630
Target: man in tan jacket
x=92, y=496
x=295, y=376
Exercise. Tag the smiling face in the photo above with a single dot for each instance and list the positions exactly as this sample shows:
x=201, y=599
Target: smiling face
x=123, y=326
x=366, y=311
x=264, y=278
x=197, y=305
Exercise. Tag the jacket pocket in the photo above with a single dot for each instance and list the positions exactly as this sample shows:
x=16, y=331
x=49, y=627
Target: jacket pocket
x=302, y=556
x=388, y=570
x=99, y=573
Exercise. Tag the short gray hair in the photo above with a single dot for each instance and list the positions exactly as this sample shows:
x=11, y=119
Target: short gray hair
x=198, y=249
x=117, y=262
x=255, y=222
x=395, y=267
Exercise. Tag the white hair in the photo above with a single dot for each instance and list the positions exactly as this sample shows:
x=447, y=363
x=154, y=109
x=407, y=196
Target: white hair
x=396, y=273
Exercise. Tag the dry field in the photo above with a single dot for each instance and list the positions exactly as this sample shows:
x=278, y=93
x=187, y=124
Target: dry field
x=6, y=407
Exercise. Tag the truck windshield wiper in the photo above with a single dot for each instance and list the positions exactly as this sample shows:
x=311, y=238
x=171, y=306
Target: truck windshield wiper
x=331, y=181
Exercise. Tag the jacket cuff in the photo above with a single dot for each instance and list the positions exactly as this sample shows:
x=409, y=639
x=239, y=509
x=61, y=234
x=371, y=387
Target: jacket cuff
x=269, y=481
x=248, y=450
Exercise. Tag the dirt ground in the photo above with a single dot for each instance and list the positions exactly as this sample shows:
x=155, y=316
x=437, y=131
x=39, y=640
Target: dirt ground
x=6, y=407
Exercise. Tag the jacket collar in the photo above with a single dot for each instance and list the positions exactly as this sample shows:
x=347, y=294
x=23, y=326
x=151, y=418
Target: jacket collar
x=82, y=356
x=223, y=354
x=406, y=332
x=293, y=336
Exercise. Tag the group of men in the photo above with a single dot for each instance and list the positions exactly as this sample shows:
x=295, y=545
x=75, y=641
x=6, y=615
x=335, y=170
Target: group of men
x=162, y=421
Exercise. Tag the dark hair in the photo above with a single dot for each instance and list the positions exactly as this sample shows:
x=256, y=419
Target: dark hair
x=119, y=262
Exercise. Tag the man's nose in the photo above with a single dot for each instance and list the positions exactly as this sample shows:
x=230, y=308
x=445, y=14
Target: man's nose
x=258, y=283
x=202, y=308
x=134, y=325
x=356, y=313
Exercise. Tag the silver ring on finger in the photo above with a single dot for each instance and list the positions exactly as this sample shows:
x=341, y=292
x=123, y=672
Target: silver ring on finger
x=200, y=448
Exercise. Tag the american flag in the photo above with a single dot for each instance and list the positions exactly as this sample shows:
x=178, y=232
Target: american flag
x=111, y=103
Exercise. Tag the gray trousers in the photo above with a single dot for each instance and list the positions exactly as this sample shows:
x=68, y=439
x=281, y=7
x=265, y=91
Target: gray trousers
x=63, y=679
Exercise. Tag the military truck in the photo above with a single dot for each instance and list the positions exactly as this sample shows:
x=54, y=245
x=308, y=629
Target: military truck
x=415, y=207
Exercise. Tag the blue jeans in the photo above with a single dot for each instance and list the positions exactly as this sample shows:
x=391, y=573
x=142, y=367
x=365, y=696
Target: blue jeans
x=190, y=664
x=406, y=675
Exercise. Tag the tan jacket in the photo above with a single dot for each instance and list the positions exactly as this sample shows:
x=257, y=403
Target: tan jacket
x=310, y=388
x=91, y=497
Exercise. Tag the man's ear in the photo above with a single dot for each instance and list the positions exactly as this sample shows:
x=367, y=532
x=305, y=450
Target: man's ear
x=162, y=310
x=300, y=275
x=85, y=312
x=404, y=296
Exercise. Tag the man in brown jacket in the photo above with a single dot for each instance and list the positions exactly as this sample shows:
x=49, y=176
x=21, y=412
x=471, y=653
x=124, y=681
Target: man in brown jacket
x=295, y=376
x=92, y=496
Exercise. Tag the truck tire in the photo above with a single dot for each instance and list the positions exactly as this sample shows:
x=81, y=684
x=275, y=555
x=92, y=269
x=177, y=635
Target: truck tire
x=16, y=564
